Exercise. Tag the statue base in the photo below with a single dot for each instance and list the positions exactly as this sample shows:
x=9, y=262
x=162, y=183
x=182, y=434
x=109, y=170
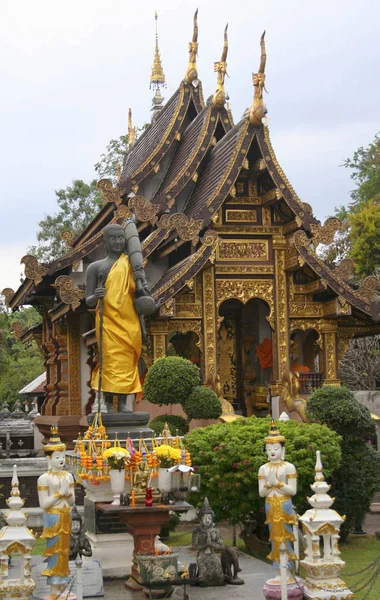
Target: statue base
x=272, y=591
x=125, y=424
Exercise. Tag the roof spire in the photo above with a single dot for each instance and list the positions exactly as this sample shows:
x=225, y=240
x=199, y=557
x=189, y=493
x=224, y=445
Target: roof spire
x=131, y=129
x=258, y=109
x=220, y=68
x=191, y=75
x=157, y=77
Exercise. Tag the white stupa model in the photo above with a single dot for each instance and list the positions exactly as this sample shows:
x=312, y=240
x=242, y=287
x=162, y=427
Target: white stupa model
x=16, y=540
x=322, y=561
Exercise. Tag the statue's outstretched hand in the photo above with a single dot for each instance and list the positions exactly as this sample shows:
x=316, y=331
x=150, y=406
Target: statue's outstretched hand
x=99, y=292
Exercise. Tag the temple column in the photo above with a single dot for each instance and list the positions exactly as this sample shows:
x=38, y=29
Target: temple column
x=159, y=331
x=209, y=308
x=51, y=377
x=74, y=363
x=329, y=333
x=281, y=309
x=62, y=406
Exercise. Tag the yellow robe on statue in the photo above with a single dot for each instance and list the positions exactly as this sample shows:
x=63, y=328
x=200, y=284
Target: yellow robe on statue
x=121, y=333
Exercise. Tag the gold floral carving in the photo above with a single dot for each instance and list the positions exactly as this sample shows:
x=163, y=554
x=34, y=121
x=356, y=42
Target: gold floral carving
x=18, y=329
x=122, y=212
x=368, y=287
x=74, y=362
x=68, y=292
x=109, y=192
x=185, y=326
x=143, y=209
x=67, y=237
x=305, y=309
x=8, y=293
x=186, y=227
x=244, y=269
x=330, y=356
x=33, y=269
x=168, y=309
x=237, y=216
x=159, y=345
x=282, y=332
x=244, y=290
x=345, y=269
x=236, y=250
x=209, y=324
x=343, y=341
x=324, y=234
x=190, y=310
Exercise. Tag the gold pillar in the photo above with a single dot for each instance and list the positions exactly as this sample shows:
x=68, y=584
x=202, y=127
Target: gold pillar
x=62, y=406
x=159, y=331
x=209, y=324
x=329, y=332
x=74, y=360
x=281, y=310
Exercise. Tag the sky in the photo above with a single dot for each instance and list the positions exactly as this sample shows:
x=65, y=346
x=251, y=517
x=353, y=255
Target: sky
x=69, y=70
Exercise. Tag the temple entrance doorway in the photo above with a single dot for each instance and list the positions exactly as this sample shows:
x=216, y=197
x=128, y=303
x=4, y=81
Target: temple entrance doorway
x=245, y=355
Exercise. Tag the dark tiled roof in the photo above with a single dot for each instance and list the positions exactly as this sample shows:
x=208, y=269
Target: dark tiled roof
x=216, y=173
x=156, y=139
x=192, y=149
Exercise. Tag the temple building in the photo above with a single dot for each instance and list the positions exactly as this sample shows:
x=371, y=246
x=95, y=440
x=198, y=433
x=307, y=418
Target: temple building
x=229, y=248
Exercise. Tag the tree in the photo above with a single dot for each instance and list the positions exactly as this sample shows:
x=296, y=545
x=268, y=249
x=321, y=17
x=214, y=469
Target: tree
x=22, y=363
x=229, y=455
x=176, y=380
x=359, y=369
x=358, y=476
x=359, y=238
x=78, y=204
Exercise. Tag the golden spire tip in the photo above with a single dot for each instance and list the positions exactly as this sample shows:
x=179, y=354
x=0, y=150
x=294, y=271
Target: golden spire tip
x=191, y=75
x=258, y=109
x=220, y=68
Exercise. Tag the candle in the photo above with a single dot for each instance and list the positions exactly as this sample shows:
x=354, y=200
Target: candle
x=156, y=551
x=133, y=504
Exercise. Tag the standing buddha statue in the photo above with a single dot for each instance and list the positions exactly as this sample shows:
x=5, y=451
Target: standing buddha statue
x=277, y=484
x=56, y=496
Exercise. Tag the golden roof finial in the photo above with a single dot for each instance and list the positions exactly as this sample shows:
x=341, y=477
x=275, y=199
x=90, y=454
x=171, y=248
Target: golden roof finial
x=258, y=109
x=192, y=71
x=157, y=77
x=220, y=68
x=131, y=129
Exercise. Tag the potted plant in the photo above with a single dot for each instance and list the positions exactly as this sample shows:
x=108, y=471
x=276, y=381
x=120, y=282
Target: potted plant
x=167, y=457
x=117, y=458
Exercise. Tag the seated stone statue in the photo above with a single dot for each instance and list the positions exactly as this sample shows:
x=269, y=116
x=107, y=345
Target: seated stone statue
x=79, y=544
x=208, y=541
x=118, y=282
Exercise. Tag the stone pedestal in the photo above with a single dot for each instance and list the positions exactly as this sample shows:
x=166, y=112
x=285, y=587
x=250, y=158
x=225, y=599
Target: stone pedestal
x=69, y=427
x=115, y=552
x=133, y=425
x=144, y=524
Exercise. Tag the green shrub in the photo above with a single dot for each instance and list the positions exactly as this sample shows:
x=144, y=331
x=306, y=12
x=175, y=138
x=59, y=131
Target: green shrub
x=170, y=380
x=175, y=422
x=358, y=477
x=228, y=457
x=203, y=403
x=171, y=525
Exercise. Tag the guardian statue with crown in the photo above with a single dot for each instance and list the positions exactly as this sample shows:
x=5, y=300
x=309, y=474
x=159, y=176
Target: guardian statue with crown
x=56, y=497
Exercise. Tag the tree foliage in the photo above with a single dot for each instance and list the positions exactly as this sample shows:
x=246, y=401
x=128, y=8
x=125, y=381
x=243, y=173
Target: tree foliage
x=114, y=154
x=229, y=455
x=358, y=477
x=20, y=363
x=359, y=369
x=203, y=403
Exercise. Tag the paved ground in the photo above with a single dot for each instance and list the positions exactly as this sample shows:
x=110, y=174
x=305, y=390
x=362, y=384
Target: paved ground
x=254, y=573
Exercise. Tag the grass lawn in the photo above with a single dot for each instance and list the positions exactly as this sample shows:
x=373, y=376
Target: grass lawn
x=358, y=552
x=39, y=547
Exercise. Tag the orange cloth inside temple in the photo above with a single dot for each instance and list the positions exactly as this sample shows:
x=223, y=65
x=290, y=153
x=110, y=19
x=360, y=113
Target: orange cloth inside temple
x=121, y=333
x=299, y=368
x=264, y=353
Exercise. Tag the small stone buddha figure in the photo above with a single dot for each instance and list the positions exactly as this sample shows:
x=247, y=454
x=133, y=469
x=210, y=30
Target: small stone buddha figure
x=141, y=482
x=277, y=484
x=119, y=282
x=56, y=496
x=208, y=541
x=79, y=544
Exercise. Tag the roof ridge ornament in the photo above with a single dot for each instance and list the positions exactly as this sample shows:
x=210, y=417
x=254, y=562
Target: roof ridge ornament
x=191, y=75
x=157, y=77
x=131, y=130
x=258, y=109
x=220, y=68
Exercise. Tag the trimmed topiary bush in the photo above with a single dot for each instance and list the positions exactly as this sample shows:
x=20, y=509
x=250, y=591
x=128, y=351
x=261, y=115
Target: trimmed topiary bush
x=203, y=403
x=228, y=457
x=170, y=380
x=358, y=477
x=175, y=422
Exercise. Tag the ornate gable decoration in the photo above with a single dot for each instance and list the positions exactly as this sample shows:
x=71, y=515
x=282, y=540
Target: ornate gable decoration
x=33, y=269
x=68, y=292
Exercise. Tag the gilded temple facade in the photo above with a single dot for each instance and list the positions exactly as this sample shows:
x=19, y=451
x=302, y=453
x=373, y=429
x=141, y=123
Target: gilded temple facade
x=230, y=250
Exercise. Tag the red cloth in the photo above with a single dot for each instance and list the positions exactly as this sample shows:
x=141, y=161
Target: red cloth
x=298, y=368
x=264, y=353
